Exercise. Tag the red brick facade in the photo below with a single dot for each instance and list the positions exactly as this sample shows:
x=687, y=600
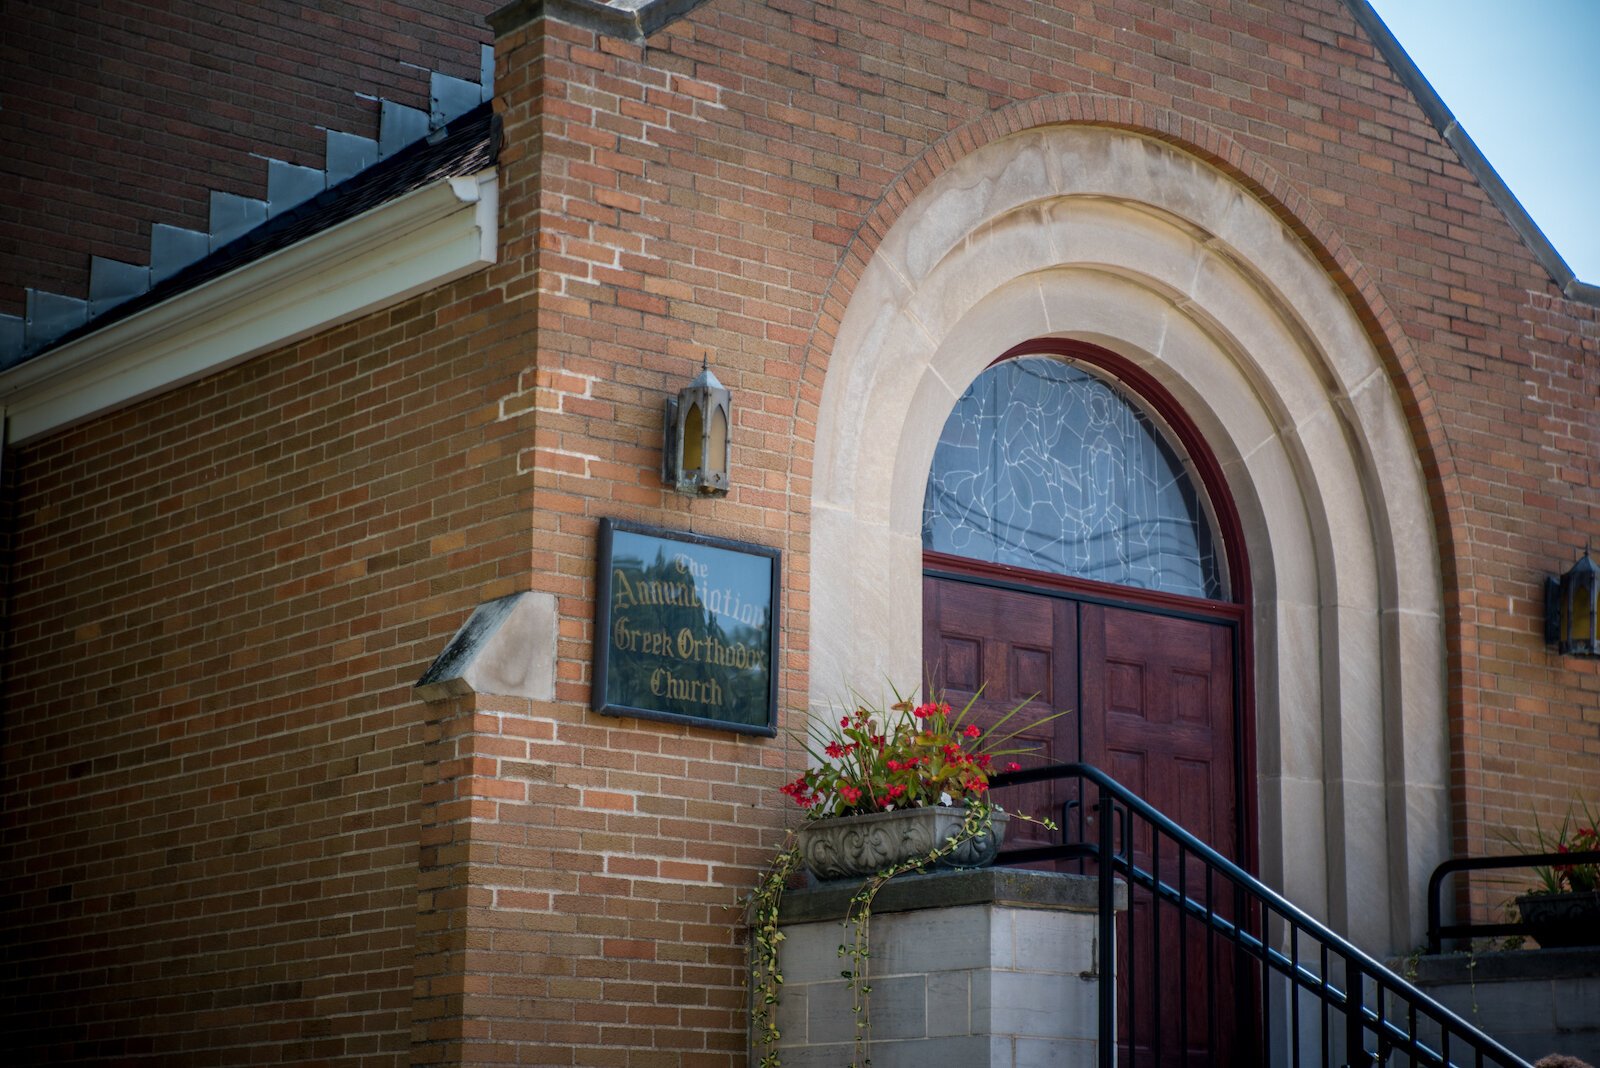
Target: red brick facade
x=233, y=834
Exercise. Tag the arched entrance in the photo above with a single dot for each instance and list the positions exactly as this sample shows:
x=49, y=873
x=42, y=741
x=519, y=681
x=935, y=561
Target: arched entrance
x=1109, y=238
x=1078, y=545
x=1073, y=555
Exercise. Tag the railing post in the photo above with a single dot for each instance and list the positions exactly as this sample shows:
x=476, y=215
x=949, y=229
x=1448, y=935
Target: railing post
x=1355, y=1025
x=1108, y=935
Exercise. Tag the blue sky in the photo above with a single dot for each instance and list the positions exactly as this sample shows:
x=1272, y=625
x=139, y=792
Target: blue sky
x=1523, y=78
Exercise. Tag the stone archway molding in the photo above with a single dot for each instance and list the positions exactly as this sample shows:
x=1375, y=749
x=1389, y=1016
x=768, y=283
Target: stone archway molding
x=1125, y=241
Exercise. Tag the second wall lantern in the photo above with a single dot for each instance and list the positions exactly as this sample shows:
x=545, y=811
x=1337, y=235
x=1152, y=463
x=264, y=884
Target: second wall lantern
x=694, y=452
x=1572, y=610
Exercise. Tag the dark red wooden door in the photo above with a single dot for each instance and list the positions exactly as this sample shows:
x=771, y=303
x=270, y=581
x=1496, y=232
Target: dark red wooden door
x=1153, y=700
x=1011, y=646
x=1158, y=716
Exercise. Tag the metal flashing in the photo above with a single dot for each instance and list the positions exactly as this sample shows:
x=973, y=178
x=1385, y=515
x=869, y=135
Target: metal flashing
x=51, y=314
x=232, y=306
x=112, y=281
x=233, y=215
x=234, y=218
x=469, y=145
x=172, y=248
x=348, y=154
x=399, y=126
x=450, y=97
x=289, y=185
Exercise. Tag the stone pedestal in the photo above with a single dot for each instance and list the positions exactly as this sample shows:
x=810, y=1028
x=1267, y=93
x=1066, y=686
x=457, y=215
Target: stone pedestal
x=995, y=967
x=1535, y=1001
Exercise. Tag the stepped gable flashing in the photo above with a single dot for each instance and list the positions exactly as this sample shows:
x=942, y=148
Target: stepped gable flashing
x=1472, y=157
x=630, y=20
x=466, y=146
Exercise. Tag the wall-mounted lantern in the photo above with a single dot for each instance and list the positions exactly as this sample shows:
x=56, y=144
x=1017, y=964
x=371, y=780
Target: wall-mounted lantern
x=1572, y=609
x=694, y=452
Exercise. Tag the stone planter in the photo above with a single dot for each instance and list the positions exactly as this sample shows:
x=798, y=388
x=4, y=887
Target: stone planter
x=1558, y=920
x=843, y=847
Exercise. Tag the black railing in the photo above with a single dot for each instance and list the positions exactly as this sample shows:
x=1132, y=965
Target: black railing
x=1438, y=930
x=1212, y=966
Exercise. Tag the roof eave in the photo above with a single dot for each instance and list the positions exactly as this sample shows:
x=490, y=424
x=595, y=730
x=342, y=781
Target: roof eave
x=371, y=261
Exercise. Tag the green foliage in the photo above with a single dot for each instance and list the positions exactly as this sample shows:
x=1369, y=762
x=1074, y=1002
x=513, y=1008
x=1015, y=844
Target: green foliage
x=1577, y=833
x=763, y=906
x=765, y=937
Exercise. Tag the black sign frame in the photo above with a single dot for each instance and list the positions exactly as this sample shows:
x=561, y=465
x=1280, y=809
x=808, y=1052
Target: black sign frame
x=605, y=697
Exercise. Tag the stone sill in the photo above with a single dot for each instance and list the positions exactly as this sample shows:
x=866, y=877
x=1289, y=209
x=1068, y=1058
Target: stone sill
x=1573, y=963
x=1014, y=887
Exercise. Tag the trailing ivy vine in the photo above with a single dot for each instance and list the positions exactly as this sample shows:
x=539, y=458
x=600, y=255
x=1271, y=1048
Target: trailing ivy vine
x=763, y=906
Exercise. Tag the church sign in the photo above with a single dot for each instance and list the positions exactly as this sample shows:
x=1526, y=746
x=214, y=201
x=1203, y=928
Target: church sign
x=686, y=629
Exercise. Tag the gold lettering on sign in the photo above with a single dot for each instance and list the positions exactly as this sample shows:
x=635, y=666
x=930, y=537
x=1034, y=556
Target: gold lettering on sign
x=631, y=640
x=713, y=650
x=664, y=683
x=625, y=594
x=730, y=604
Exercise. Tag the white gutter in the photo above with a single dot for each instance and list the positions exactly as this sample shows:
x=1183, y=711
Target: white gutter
x=362, y=265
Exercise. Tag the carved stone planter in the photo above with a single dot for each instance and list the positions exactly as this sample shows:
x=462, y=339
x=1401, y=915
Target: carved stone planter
x=842, y=847
x=1558, y=920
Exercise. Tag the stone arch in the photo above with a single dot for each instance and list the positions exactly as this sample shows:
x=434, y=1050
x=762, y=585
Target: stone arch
x=1123, y=240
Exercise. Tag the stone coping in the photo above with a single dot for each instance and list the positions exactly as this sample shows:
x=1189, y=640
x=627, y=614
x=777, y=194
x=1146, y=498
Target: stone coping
x=1013, y=887
x=1568, y=963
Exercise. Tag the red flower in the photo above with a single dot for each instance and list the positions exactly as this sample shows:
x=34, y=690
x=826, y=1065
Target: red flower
x=972, y=730
x=1013, y=766
x=834, y=750
x=850, y=794
x=800, y=790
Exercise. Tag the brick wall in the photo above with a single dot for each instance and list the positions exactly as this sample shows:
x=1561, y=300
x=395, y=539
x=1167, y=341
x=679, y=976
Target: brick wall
x=125, y=113
x=214, y=761
x=252, y=571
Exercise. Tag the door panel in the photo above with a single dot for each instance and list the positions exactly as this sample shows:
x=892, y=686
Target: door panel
x=1013, y=646
x=1161, y=688
x=1158, y=708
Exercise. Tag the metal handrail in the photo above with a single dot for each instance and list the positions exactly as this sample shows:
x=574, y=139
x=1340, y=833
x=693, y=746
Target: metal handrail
x=1394, y=1033
x=1438, y=931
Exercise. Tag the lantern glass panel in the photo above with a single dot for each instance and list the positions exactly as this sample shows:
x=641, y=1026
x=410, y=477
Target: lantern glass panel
x=717, y=442
x=1580, y=610
x=694, y=439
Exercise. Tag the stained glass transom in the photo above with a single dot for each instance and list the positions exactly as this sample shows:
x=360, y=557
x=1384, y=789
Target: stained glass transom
x=1045, y=466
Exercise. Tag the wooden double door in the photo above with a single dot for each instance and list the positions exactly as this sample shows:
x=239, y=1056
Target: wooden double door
x=1151, y=689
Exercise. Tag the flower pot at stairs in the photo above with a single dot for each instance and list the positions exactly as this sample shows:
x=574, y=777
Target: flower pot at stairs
x=1559, y=920
x=841, y=847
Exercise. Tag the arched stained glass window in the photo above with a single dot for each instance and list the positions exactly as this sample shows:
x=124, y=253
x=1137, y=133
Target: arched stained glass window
x=1045, y=466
